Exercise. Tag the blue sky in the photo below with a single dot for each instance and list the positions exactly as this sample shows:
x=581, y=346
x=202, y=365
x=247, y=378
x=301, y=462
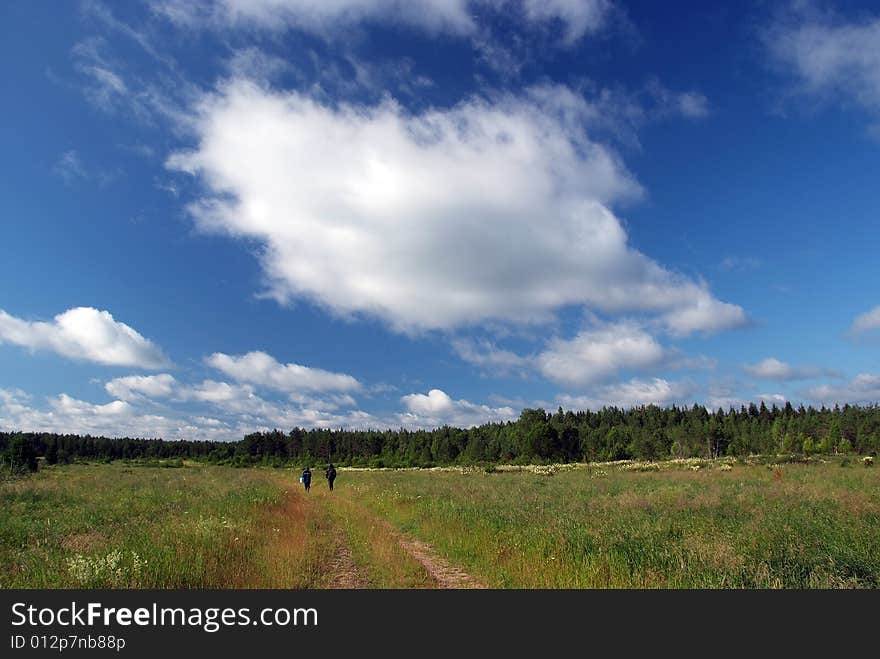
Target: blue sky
x=224, y=216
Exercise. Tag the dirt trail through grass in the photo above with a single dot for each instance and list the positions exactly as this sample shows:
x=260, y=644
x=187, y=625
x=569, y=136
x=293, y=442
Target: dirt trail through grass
x=297, y=545
x=344, y=572
x=371, y=552
x=442, y=571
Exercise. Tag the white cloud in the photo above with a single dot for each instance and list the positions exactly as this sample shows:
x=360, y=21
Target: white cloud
x=314, y=399
x=69, y=167
x=66, y=405
x=104, y=15
x=487, y=355
x=726, y=402
x=831, y=57
x=580, y=17
x=774, y=369
x=596, y=354
x=262, y=369
x=254, y=64
x=235, y=396
x=633, y=393
x=664, y=102
x=207, y=421
x=704, y=314
x=84, y=333
x=864, y=388
x=65, y=414
x=713, y=403
x=252, y=412
x=693, y=105
x=488, y=210
x=113, y=87
x=324, y=402
x=623, y=111
x=437, y=408
x=324, y=17
x=133, y=386
x=679, y=361
x=724, y=393
x=867, y=322
x=772, y=399
x=103, y=85
x=320, y=16
x=232, y=411
x=436, y=402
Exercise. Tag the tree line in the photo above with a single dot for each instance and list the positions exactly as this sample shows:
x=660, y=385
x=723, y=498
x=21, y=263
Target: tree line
x=643, y=433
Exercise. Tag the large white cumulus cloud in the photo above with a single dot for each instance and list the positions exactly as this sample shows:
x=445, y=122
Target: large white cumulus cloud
x=493, y=209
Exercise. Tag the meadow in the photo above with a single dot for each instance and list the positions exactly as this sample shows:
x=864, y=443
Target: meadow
x=678, y=524
x=685, y=524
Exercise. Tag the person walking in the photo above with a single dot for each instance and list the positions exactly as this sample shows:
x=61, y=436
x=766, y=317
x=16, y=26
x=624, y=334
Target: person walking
x=330, y=475
x=306, y=478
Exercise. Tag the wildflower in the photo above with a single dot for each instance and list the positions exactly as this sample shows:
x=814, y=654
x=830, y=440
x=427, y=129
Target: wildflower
x=115, y=569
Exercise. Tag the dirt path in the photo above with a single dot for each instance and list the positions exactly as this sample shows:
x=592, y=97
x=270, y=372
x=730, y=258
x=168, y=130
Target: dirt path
x=386, y=543
x=442, y=571
x=344, y=574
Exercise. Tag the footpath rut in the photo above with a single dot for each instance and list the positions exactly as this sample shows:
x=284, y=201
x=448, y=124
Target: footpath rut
x=344, y=572
x=444, y=573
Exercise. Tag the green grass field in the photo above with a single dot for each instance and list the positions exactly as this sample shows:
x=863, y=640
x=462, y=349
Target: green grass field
x=688, y=524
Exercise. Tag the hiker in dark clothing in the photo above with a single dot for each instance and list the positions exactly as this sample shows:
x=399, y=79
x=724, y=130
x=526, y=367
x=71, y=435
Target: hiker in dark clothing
x=330, y=474
x=306, y=478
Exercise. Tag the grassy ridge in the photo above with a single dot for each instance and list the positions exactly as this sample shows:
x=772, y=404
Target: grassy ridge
x=739, y=526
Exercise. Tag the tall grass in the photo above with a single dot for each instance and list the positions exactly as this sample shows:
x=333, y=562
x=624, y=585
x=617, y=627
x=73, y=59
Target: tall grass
x=123, y=525
x=685, y=526
x=373, y=542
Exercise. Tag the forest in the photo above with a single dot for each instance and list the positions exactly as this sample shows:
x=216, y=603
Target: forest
x=643, y=433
